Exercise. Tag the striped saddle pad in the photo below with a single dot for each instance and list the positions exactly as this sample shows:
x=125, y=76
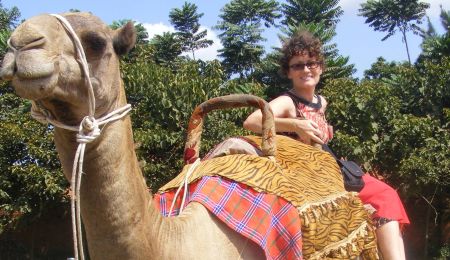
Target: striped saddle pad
x=301, y=186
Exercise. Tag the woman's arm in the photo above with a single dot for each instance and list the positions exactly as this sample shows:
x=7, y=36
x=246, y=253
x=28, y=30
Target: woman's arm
x=284, y=111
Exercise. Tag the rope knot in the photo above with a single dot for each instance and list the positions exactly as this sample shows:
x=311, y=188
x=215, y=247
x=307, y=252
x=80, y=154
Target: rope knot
x=88, y=130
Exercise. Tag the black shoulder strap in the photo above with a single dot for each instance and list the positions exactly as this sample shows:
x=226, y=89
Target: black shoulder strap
x=326, y=148
x=298, y=100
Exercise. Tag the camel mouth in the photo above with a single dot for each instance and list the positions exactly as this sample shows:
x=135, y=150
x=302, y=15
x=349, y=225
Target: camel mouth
x=34, y=88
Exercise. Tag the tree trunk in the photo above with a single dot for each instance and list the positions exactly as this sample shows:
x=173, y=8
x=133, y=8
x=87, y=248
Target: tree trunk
x=406, y=43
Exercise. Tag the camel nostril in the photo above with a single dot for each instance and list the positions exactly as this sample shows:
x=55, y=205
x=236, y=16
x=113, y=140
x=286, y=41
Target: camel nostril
x=33, y=43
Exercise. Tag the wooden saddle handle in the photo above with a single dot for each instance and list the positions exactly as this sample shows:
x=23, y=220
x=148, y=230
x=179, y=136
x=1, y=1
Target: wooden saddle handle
x=195, y=127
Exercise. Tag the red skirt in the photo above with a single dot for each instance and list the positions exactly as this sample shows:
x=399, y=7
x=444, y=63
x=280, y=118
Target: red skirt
x=384, y=199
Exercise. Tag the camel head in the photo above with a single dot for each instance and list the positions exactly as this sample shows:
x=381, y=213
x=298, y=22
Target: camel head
x=44, y=66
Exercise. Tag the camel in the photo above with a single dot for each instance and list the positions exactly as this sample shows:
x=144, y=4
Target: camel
x=119, y=215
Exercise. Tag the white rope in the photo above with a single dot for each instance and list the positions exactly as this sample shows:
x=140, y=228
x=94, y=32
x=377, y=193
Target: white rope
x=88, y=131
x=83, y=60
x=185, y=183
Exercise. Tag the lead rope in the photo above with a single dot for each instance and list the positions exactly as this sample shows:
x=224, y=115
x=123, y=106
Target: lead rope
x=185, y=183
x=88, y=131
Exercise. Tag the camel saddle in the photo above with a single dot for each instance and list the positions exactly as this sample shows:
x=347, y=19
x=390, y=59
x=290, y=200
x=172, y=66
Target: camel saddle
x=334, y=223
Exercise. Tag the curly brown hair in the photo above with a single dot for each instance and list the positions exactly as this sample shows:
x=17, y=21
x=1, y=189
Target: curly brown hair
x=301, y=42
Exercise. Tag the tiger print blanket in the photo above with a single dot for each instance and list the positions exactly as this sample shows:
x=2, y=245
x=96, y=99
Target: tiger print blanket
x=334, y=222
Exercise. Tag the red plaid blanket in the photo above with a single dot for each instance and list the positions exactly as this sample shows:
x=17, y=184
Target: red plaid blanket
x=266, y=219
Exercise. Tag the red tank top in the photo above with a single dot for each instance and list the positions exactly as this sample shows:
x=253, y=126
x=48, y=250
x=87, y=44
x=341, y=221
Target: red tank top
x=314, y=112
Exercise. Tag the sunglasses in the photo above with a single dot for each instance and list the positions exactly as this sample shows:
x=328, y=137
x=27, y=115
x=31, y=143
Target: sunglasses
x=309, y=65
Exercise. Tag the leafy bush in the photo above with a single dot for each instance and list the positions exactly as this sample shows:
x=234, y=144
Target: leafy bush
x=164, y=98
x=31, y=174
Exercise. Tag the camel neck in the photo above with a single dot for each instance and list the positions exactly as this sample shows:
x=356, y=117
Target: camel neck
x=113, y=191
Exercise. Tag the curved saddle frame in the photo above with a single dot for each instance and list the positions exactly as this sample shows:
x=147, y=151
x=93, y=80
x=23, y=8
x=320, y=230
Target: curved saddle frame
x=195, y=127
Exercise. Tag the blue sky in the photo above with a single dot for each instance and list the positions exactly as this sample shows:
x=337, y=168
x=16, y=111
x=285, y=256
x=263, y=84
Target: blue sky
x=354, y=38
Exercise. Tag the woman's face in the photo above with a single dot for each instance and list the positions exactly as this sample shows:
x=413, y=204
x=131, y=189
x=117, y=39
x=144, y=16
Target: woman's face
x=304, y=71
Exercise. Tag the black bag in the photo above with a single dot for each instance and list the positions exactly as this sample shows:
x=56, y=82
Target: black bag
x=351, y=172
x=352, y=175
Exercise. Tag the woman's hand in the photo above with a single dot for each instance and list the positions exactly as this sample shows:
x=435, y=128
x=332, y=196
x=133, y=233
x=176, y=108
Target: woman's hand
x=308, y=131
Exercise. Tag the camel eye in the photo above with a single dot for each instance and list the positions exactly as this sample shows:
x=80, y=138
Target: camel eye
x=93, y=42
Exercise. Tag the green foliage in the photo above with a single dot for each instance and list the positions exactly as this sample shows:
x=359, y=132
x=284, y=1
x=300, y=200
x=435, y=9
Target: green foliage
x=381, y=70
x=166, y=48
x=8, y=17
x=396, y=125
x=240, y=50
x=163, y=101
x=268, y=73
x=361, y=115
x=418, y=153
x=4, y=36
x=423, y=90
x=31, y=178
x=434, y=46
x=391, y=15
x=251, y=12
x=306, y=11
x=186, y=21
x=241, y=37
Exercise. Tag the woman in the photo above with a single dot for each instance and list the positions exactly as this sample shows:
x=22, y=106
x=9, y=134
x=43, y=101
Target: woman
x=301, y=112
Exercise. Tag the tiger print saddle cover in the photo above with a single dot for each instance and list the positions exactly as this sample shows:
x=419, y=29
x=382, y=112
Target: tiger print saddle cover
x=335, y=224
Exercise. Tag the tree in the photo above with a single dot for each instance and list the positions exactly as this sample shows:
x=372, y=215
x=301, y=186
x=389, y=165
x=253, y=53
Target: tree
x=8, y=20
x=167, y=47
x=241, y=22
x=307, y=11
x=391, y=15
x=186, y=21
x=381, y=70
x=8, y=17
x=435, y=46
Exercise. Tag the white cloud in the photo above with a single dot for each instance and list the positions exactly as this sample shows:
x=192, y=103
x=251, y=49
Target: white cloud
x=205, y=54
x=434, y=11
x=157, y=29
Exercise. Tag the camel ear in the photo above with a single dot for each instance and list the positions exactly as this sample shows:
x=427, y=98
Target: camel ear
x=124, y=39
